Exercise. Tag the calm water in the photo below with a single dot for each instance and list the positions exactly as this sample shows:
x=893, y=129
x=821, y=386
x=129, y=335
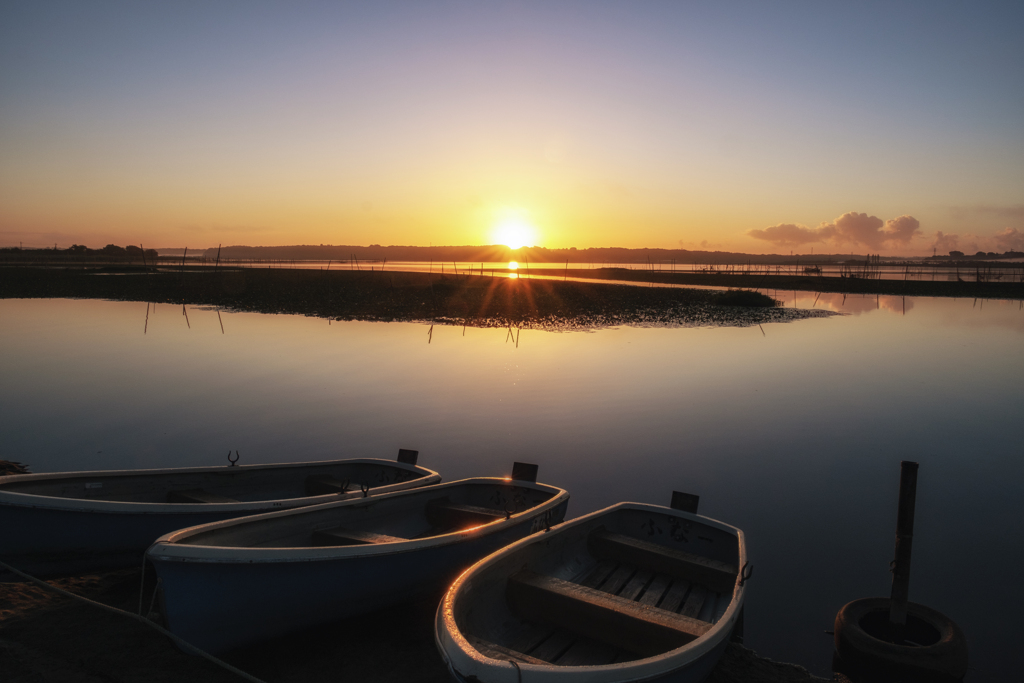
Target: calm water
x=793, y=433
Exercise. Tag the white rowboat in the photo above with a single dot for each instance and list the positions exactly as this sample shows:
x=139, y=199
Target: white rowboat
x=67, y=523
x=245, y=580
x=630, y=593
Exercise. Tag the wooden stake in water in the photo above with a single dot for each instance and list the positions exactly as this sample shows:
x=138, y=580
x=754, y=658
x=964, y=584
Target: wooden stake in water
x=904, y=539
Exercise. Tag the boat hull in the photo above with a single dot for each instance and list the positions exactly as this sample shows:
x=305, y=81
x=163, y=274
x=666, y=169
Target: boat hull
x=54, y=535
x=222, y=598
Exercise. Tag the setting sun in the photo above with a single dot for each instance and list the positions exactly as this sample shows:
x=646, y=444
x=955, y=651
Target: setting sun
x=514, y=229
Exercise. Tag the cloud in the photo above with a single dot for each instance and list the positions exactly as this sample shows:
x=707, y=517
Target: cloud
x=791, y=234
x=944, y=244
x=860, y=228
x=902, y=229
x=851, y=227
x=1009, y=239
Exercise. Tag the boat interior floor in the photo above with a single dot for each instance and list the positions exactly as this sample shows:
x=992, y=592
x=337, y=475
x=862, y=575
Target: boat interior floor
x=613, y=612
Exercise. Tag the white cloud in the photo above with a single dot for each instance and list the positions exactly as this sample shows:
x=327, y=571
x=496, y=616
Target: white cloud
x=851, y=227
x=791, y=234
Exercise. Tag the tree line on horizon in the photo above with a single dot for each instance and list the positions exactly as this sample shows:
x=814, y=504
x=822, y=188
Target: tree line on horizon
x=500, y=253
x=111, y=252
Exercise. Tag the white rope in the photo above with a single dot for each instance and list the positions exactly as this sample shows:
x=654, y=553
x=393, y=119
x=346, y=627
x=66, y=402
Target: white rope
x=184, y=644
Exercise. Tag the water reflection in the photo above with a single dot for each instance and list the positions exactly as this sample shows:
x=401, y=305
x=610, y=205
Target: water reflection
x=791, y=431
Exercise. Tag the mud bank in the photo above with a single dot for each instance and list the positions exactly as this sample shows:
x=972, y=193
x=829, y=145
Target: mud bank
x=479, y=301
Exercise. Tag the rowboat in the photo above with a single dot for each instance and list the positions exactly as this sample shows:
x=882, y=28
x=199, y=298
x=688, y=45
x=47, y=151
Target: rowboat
x=73, y=522
x=633, y=592
x=236, y=582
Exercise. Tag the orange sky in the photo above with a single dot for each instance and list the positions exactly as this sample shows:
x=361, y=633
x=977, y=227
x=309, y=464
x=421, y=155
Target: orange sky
x=597, y=125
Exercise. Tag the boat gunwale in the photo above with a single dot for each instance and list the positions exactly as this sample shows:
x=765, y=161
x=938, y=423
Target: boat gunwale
x=169, y=548
x=447, y=632
x=96, y=505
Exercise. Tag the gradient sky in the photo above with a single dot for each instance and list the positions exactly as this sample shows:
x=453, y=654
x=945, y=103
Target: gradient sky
x=634, y=124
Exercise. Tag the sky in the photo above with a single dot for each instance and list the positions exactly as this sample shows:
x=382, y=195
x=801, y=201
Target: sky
x=891, y=128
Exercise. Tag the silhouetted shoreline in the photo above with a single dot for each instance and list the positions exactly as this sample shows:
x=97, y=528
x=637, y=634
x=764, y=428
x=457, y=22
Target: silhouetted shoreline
x=808, y=283
x=480, y=301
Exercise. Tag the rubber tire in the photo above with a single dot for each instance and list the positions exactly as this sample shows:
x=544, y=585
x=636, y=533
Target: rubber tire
x=946, y=658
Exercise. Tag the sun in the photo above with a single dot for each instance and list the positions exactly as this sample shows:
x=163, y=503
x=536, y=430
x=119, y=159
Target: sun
x=514, y=229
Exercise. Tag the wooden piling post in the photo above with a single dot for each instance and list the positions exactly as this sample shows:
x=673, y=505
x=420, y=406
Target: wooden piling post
x=904, y=539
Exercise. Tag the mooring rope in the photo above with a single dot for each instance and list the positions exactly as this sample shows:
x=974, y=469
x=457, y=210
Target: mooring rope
x=137, y=617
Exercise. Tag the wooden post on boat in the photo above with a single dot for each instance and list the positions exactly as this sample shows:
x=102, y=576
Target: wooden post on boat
x=524, y=471
x=904, y=540
x=687, y=502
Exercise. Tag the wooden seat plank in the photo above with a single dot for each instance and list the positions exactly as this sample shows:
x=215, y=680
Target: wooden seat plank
x=599, y=574
x=197, y=496
x=496, y=651
x=675, y=595
x=652, y=596
x=587, y=652
x=694, y=601
x=618, y=579
x=595, y=614
x=555, y=646
x=636, y=584
x=718, y=576
x=530, y=637
x=343, y=536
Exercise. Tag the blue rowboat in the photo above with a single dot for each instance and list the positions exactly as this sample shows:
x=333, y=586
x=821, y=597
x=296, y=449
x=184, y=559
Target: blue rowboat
x=231, y=583
x=69, y=523
x=630, y=593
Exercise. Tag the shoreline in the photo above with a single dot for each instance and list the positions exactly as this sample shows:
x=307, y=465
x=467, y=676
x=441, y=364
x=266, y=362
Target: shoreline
x=814, y=283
